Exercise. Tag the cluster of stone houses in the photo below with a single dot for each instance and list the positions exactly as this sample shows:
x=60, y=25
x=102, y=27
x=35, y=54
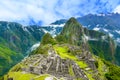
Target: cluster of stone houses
x=54, y=65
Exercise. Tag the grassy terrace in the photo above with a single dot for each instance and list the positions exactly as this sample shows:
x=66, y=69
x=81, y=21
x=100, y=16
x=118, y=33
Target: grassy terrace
x=64, y=53
x=27, y=76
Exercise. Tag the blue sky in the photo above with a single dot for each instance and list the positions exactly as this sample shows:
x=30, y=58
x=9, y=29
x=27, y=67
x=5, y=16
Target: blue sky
x=47, y=11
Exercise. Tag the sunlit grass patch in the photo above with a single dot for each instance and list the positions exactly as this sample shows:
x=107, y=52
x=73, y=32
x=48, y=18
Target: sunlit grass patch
x=64, y=53
x=25, y=76
x=82, y=64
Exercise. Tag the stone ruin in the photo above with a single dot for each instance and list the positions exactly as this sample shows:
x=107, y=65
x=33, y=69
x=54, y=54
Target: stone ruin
x=84, y=55
x=87, y=57
x=54, y=65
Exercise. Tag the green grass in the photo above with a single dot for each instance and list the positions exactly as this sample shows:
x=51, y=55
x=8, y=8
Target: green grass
x=6, y=52
x=102, y=68
x=25, y=76
x=71, y=71
x=89, y=76
x=19, y=76
x=64, y=53
x=7, y=58
x=41, y=77
x=82, y=64
x=42, y=49
x=114, y=71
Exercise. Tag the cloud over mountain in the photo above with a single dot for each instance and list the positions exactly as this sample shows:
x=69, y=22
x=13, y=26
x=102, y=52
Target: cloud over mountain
x=117, y=9
x=46, y=11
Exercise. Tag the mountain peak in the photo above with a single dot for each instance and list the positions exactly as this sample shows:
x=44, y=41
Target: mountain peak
x=72, y=31
x=72, y=19
x=47, y=39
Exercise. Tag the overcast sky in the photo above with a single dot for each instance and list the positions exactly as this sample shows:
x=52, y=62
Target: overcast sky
x=47, y=11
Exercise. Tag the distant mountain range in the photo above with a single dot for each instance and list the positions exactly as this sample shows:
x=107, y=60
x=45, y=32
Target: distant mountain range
x=107, y=23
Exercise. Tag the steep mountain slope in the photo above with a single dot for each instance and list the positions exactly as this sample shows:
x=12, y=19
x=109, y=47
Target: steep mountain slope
x=13, y=34
x=73, y=32
x=16, y=40
x=67, y=58
x=8, y=58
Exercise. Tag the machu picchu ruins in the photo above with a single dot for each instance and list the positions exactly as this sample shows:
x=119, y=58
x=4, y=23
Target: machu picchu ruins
x=57, y=66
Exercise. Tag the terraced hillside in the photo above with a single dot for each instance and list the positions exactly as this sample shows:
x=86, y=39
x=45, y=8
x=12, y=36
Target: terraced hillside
x=60, y=62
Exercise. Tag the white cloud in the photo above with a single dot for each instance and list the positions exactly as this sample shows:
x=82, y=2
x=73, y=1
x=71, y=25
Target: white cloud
x=24, y=10
x=48, y=11
x=117, y=9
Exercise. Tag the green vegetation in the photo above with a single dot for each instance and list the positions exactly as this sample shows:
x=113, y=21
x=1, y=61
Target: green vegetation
x=65, y=53
x=102, y=49
x=46, y=42
x=95, y=34
x=71, y=71
x=47, y=39
x=72, y=32
x=117, y=55
x=102, y=68
x=114, y=71
x=25, y=76
x=7, y=59
x=42, y=49
x=89, y=76
x=60, y=39
x=82, y=64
